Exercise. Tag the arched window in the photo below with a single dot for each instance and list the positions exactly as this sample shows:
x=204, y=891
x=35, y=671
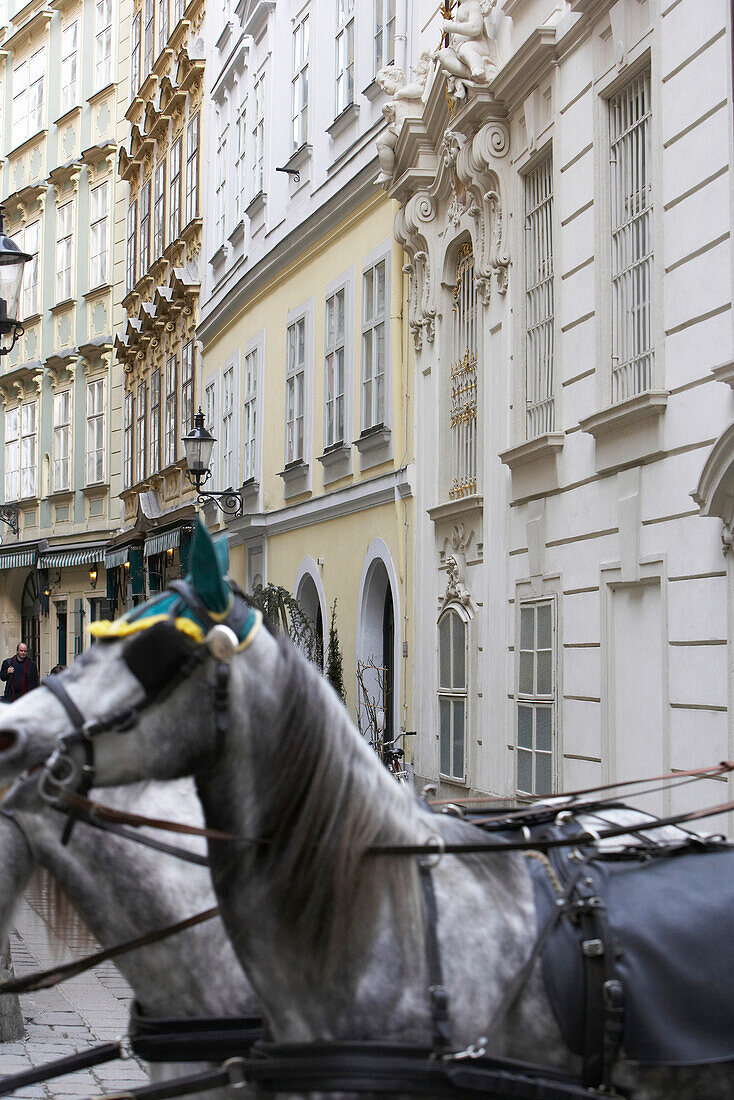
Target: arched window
x=452, y=694
x=310, y=604
x=464, y=380
x=30, y=618
x=377, y=674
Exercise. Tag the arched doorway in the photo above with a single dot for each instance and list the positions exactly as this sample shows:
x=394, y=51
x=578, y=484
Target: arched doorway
x=376, y=671
x=310, y=604
x=30, y=618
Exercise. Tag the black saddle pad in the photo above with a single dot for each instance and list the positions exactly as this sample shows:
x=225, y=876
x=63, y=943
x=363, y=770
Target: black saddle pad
x=672, y=919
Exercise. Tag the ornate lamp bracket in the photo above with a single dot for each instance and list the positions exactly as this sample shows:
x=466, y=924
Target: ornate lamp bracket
x=9, y=514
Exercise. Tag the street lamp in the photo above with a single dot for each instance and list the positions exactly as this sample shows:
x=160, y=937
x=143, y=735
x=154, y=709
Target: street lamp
x=198, y=445
x=12, y=262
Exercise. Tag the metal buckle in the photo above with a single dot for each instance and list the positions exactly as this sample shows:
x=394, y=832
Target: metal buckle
x=473, y=1051
x=125, y=1047
x=235, y=1069
x=433, y=860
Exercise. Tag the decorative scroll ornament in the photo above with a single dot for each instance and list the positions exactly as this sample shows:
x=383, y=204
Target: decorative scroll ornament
x=406, y=102
x=455, y=589
x=469, y=59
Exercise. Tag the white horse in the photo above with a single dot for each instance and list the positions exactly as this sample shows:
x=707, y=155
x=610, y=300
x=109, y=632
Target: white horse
x=332, y=939
x=119, y=891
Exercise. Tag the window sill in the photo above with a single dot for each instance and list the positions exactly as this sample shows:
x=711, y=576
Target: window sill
x=643, y=407
x=27, y=503
x=250, y=488
x=101, y=288
x=455, y=508
x=724, y=373
x=372, y=91
x=68, y=115
x=296, y=478
x=373, y=439
x=256, y=204
x=65, y=303
x=453, y=781
x=237, y=233
x=299, y=157
x=101, y=93
x=343, y=120
x=31, y=320
x=97, y=489
x=219, y=257
x=336, y=461
x=26, y=143
x=533, y=450
x=61, y=496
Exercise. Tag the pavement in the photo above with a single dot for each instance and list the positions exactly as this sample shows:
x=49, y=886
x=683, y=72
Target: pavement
x=89, y=1009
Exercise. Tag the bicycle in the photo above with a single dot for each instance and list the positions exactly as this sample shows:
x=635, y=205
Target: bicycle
x=392, y=756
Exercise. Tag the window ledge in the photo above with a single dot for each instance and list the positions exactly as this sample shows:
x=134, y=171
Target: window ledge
x=61, y=496
x=343, y=120
x=725, y=373
x=250, y=488
x=237, y=233
x=533, y=450
x=101, y=288
x=66, y=303
x=99, y=488
x=31, y=320
x=300, y=156
x=26, y=143
x=296, y=478
x=100, y=93
x=336, y=461
x=219, y=256
x=68, y=114
x=455, y=508
x=256, y=204
x=27, y=503
x=372, y=90
x=372, y=439
x=643, y=406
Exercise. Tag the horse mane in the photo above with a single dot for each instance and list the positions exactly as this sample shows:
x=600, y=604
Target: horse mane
x=46, y=894
x=326, y=800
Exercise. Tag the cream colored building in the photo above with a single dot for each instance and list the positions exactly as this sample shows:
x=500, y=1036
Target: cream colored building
x=60, y=122
x=306, y=381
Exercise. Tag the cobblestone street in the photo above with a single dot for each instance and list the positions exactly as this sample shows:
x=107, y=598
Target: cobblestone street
x=72, y=1017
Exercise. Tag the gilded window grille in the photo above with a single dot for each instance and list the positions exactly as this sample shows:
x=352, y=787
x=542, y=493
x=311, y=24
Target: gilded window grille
x=539, y=362
x=463, y=376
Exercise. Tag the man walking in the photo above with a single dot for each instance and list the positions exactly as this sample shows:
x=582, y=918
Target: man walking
x=19, y=673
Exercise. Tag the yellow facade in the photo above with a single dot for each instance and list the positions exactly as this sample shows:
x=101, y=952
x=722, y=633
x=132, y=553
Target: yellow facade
x=342, y=524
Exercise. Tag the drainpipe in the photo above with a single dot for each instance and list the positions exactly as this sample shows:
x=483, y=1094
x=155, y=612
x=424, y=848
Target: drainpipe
x=401, y=36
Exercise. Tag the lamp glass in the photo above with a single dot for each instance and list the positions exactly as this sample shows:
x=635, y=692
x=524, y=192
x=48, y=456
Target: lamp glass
x=12, y=262
x=198, y=445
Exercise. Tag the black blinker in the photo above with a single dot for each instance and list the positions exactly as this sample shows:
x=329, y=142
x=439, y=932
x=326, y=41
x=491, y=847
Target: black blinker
x=155, y=656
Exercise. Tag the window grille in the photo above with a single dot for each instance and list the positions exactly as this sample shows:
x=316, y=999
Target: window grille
x=131, y=266
x=258, y=136
x=64, y=238
x=159, y=210
x=174, y=197
x=384, y=33
x=187, y=386
x=192, y=169
x=299, y=93
x=228, y=427
x=452, y=694
x=334, y=373
x=374, y=345
x=31, y=246
x=95, y=449
x=536, y=699
x=632, y=243
x=140, y=434
x=295, y=391
x=250, y=411
x=144, y=235
x=127, y=441
x=135, y=55
x=154, y=449
x=344, y=55
x=99, y=236
x=61, y=442
x=539, y=302
x=463, y=376
x=102, y=43
x=69, y=54
x=170, y=411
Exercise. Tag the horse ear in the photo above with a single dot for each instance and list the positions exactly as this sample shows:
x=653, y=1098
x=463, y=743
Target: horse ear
x=208, y=564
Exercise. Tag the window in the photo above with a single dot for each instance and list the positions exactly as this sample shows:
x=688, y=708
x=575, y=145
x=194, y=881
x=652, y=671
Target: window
x=539, y=303
x=95, y=447
x=28, y=85
x=295, y=383
x=463, y=378
x=240, y=163
x=220, y=196
x=163, y=28
x=61, y=632
x=178, y=10
x=384, y=33
x=28, y=448
x=64, y=232
x=155, y=422
x=192, y=169
x=187, y=386
x=99, y=238
x=334, y=375
x=536, y=699
x=250, y=411
x=229, y=428
x=135, y=55
x=452, y=693
x=258, y=137
x=170, y=412
x=344, y=55
x=145, y=228
x=299, y=92
x=31, y=246
x=149, y=38
x=632, y=243
x=374, y=345
x=12, y=454
x=174, y=194
x=131, y=274
x=102, y=43
x=69, y=52
x=140, y=434
x=159, y=210
x=211, y=408
x=127, y=441
x=61, y=443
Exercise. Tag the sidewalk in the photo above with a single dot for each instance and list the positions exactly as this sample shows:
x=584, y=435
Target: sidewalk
x=80, y=1013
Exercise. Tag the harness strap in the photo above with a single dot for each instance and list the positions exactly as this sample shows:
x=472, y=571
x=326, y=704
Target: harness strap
x=56, y=688
x=107, y=1052
x=180, y=1086
x=43, y=979
x=438, y=994
x=140, y=838
x=603, y=989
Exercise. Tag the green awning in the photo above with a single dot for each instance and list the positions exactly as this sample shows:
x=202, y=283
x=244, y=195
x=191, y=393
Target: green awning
x=17, y=559
x=65, y=559
x=167, y=540
x=115, y=558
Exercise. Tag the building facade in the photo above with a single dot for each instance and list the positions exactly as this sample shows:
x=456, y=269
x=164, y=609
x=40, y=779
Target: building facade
x=155, y=345
x=565, y=204
x=59, y=127
x=305, y=375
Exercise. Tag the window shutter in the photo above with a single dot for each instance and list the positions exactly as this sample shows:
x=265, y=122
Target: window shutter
x=78, y=627
x=137, y=572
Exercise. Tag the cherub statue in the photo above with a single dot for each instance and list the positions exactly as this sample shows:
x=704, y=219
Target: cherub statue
x=469, y=57
x=405, y=103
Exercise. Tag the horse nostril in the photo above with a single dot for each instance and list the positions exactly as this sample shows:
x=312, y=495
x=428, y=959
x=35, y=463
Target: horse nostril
x=7, y=739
